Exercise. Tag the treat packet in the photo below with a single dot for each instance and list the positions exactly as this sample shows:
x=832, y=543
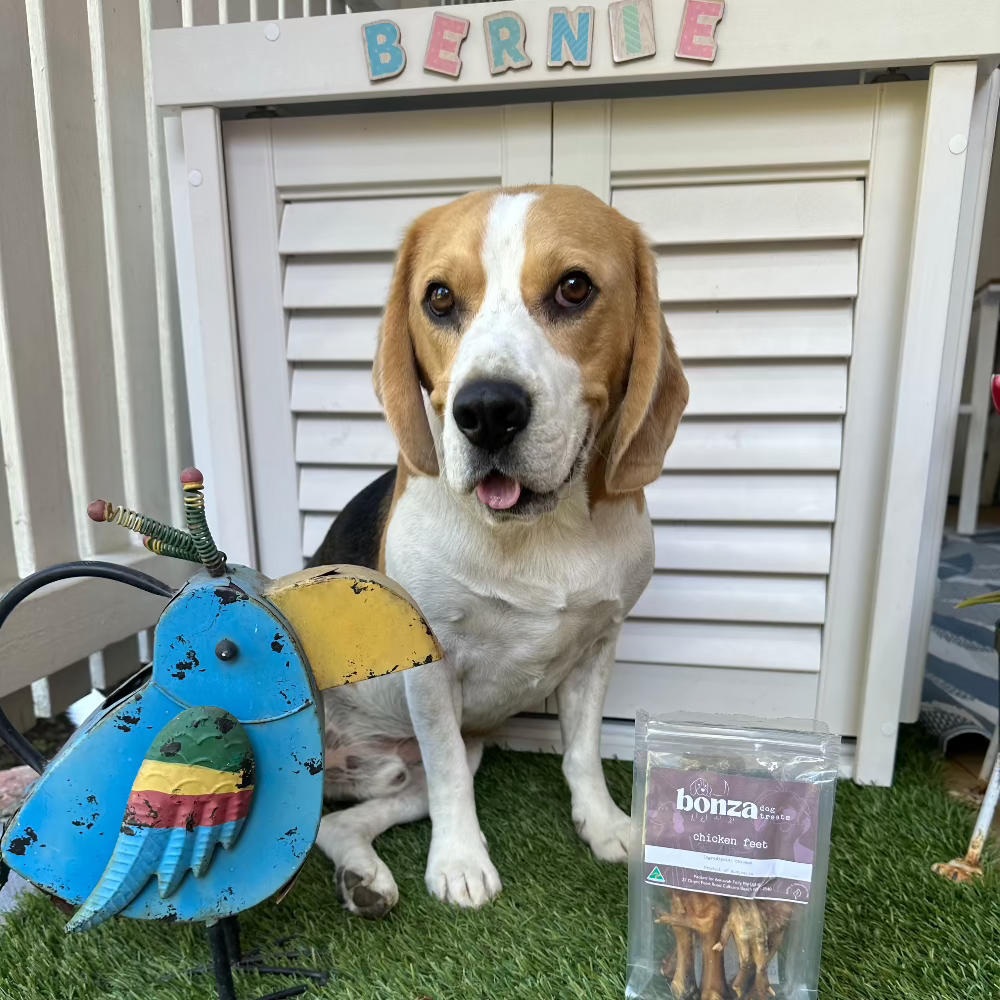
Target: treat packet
x=729, y=854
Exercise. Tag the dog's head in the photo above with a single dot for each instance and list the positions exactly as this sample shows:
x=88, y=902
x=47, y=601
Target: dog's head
x=532, y=320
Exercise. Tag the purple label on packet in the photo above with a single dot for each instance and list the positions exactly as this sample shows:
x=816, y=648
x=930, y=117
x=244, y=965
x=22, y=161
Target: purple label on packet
x=730, y=835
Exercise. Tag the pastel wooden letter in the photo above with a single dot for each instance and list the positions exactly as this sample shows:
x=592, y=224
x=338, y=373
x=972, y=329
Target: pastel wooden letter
x=697, y=37
x=383, y=53
x=632, y=35
x=447, y=35
x=505, y=35
x=571, y=36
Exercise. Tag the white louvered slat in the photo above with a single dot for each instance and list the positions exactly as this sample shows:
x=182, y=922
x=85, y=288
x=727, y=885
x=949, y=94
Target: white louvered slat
x=367, y=225
x=769, y=498
x=659, y=687
x=764, y=647
x=314, y=529
x=710, y=445
x=746, y=330
x=737, y=213
x=762, y=330
x=772, y=446
x=333, y=390
x=330, y=489
x=716, y=390
x=699, y=597
x=329, y=283
x=728, y=548
x=777, y=271
x=332, y=337
x=344, y=441
x=722, y=389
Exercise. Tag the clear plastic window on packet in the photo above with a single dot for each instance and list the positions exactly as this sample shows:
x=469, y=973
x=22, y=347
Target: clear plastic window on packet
x=729, y=857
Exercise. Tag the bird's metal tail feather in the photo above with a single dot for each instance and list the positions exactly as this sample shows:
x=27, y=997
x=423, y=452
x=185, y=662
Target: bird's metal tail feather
x=133, y=863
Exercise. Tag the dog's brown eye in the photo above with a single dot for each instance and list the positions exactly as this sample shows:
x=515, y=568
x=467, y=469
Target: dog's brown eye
x=440, y=299
x=573, y=290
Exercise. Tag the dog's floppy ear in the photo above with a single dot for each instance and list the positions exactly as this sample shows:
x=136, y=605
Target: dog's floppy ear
x=656, y=393
x=396, y=373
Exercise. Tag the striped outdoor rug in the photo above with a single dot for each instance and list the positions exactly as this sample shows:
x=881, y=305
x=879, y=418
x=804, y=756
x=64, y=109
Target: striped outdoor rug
x=961, y=693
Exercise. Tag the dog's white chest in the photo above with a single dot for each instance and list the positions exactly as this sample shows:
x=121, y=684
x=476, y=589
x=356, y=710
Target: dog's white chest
x=514, y=621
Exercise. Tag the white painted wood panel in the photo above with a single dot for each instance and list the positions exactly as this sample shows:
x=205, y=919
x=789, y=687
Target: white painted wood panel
x=330, y=489
x=124, y=169
x=716, y=390
x=314, y=529
x=344, y=441
x=747, y=598
x=325, y=283
x=774, y=498
x=701, y=332
x=660, y=688
x=781, y=271
x=401, y=147
x=715, y=444
x=333, y=390
x=367, y=225
x=776, y=128
x=723, y=389
x=71, y=183
x=762, y=330
x=746, y=213
x=324, y=336
x=36, y=520
x=728, y=548
x=705, y=644
x=773, y=445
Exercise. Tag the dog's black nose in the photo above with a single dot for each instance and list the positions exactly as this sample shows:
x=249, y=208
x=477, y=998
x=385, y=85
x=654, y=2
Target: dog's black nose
x=491, y=413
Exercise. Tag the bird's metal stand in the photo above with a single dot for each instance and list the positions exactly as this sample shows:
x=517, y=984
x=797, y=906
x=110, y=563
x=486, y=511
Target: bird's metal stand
x=227, y=954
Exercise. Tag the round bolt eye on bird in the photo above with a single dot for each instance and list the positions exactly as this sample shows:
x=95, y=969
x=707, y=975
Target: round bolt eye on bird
x=195, y=791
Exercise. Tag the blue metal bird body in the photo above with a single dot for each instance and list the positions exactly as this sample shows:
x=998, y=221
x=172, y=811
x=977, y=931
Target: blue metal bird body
x=198, y=795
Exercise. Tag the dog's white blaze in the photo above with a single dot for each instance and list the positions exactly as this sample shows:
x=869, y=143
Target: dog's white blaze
x=504, y=341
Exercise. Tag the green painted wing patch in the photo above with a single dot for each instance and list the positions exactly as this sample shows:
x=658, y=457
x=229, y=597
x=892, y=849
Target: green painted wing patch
x=207, y=737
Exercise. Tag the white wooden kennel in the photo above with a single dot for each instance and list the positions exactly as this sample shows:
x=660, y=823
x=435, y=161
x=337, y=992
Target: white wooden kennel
x=814, y=228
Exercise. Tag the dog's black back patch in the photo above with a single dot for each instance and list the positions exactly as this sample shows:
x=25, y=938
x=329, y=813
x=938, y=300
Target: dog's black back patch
x=356, y=533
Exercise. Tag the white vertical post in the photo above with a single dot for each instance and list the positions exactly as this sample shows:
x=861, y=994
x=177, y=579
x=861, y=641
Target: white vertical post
x=222, y=436
x=979, y=156
x=176, y=431
x=981, y=404
x=123, y=164
x=925, y=330
x=64, y=110
x=36, y=521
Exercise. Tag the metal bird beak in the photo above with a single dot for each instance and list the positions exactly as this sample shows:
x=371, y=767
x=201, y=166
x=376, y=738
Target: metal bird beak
x=353, y=623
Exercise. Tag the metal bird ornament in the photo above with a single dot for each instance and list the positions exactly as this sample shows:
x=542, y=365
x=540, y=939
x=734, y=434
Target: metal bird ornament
x=195, y=791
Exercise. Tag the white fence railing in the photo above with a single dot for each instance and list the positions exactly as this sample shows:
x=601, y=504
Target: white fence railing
x=91, y=391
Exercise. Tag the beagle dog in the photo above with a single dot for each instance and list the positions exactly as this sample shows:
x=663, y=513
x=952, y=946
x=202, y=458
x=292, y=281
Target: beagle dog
x=529, y=378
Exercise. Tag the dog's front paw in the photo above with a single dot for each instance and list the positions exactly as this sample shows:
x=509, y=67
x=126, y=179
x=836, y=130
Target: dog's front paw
x=607, y=833
x=461, y=873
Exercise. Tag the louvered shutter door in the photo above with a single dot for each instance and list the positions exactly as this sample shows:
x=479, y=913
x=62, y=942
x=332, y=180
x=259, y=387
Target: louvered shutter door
x=755, y=205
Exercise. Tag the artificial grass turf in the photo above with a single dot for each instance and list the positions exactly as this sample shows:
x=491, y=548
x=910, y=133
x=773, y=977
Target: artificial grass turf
x=893, y=929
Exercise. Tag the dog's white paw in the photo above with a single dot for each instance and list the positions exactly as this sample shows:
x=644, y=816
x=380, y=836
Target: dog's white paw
x=365, y=887
x=461, y=873
x=606, y=831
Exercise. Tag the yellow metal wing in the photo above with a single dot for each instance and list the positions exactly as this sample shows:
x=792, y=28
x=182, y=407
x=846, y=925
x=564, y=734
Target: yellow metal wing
x=353, y=623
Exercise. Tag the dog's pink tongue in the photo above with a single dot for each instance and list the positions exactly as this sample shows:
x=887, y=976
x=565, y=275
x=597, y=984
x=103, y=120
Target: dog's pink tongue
x=498, y=492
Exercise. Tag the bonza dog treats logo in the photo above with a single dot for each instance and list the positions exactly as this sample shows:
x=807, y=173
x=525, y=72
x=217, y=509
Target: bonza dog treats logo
x=701, y=800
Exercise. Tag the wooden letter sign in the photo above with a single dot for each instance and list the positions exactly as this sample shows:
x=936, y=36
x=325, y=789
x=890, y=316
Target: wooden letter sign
x=447, y=35
x=571, y=36
x=384, y=54
x=505, y=34
x=697, y=37
x=632, y=34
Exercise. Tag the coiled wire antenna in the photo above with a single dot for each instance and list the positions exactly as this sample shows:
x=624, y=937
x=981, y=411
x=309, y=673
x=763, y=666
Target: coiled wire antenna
x=195, y=545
